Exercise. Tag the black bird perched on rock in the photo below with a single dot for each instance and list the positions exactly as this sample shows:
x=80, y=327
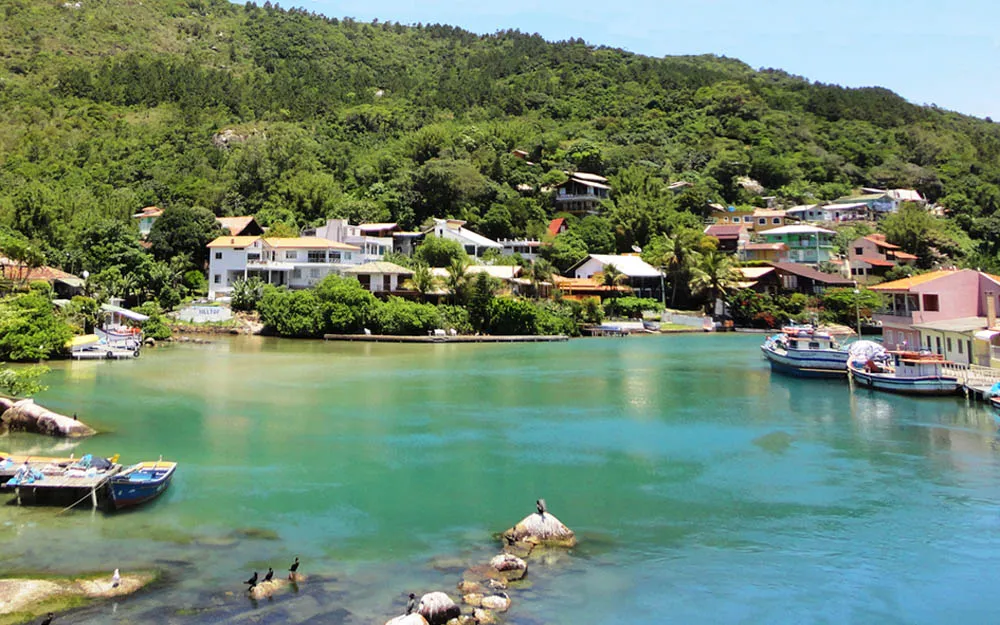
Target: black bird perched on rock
x=270, y=574
x=411, y=604
x=252, y=581
x=292, y=569
x=540, y=505
x=48, y=619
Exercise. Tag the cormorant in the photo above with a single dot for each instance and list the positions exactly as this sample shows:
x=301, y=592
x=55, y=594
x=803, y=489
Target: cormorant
x=252, y=582
x=540, y=505
x=292, y=569
x=270, y=574
x=48, y=619
x=411, y=604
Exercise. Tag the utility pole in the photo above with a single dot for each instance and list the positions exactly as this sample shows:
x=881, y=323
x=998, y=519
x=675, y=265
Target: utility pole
x=857, y=307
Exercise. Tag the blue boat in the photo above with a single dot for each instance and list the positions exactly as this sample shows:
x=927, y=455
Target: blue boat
x=806, y=352
x=140, y=483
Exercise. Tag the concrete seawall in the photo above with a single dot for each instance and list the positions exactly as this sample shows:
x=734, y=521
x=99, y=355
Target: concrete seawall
x=385, y=338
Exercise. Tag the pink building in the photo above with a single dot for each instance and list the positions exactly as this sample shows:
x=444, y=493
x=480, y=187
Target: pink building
x=929, y=297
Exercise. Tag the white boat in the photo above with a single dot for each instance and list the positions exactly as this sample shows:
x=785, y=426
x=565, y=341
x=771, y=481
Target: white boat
x=94, y=347
x=805, y=352
x=908, y=373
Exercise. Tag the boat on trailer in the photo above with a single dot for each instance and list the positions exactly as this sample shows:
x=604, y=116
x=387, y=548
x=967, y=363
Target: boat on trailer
x=140, y=483
x=905, y=372
x=804, y=351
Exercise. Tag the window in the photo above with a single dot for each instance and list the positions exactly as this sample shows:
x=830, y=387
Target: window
x=813, y=345
x=253, y=255
x=747, y=219
x=297, y=273
x=218, y=256
x=335, y=257
x=366, y=281
x=317, y=256
x=314, y=272
x=859, y=251
x=928, y=343
x=937, y=340
x=217, y=279
x=931, y=302
x=291, y=255
x=947, y=342
x=959, y=346
x=762, y=221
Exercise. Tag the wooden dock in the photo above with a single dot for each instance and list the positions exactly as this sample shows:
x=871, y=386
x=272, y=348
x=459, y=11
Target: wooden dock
x=976, y=380
x=437, y=338
x=56, y=488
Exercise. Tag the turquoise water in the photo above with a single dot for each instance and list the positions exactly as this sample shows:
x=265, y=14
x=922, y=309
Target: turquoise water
x=704, y=489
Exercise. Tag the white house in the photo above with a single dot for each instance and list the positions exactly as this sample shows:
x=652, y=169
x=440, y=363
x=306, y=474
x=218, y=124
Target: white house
x=297, y=263
x=474, y=244
x=645, y=280
x=381, y=276
x=374, y=240
x=527, y=248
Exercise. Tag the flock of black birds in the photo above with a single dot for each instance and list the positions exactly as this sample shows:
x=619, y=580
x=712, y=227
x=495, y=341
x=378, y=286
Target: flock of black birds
x=252, y=582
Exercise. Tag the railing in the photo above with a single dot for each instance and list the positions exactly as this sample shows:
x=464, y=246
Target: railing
x=972, y=375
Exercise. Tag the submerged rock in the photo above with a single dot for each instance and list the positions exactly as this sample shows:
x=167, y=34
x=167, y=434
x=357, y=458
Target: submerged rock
x=266, y=590
x=510, y=567
x=541, y=529
x=438, y=608
x=407, y=619
x=499, y=602
x=474, y=599
x=484, y=617
x=27, y=416
x=775, y=442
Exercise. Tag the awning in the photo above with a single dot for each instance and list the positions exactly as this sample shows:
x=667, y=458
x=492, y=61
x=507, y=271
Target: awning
x=986, y=335
x=124, y=312
x=76, y=283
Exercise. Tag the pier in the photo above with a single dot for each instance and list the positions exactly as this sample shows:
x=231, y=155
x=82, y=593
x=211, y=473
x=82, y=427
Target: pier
x=57, y=488
x=976, y=380
x=445, y=338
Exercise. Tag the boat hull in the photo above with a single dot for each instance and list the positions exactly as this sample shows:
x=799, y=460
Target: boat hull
x=813, y=363
x=889, y=383
x=127, y=493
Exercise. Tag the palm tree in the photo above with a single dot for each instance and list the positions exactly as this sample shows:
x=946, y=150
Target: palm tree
x=679, y=256
x=714, y=274
x=612, y=276
x=540, y=271
x=456, y=278
x=423, y=281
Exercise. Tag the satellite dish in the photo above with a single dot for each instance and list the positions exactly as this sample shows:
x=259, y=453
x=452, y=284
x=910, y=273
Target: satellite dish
x=636, y=249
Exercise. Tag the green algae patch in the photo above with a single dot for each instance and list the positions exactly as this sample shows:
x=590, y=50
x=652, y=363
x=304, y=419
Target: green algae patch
x=256, y=533
x=25, y=599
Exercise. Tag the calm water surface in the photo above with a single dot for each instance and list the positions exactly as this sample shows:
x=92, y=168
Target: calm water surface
x=704, y=488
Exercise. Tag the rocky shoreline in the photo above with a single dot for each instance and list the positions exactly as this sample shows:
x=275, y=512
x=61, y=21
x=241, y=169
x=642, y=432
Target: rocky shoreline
x=25, y=599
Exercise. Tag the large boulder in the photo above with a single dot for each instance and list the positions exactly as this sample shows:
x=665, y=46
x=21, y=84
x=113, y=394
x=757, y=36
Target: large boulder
x=438, y=608
x=541, y=529
x=408, y=619
x=510, y=567
x=5, y=404
x=27, y=416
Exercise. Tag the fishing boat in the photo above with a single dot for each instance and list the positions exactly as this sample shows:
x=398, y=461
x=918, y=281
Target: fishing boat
x=908, y=373
x=140, y=483
x=805, y=351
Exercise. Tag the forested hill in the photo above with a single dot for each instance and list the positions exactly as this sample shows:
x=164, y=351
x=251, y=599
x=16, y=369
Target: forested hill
x=107, y=106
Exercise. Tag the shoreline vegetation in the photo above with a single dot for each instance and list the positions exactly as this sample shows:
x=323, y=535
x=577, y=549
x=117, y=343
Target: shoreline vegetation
x=25, y=598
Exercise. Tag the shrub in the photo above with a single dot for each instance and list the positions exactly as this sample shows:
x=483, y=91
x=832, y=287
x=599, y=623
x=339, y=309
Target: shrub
x=401, y=317
x=30, y=329
x=291, y=313
x=155, y=327
x=455, y=317
x=631, y=306
x=512, y=317
x=246, y=293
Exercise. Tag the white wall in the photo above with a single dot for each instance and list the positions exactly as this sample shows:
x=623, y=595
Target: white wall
x=224, y=264
x=588, y=269
x=958, y=341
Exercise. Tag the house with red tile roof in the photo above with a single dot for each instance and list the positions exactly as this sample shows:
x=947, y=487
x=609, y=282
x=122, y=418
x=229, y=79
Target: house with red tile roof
x=244, y=226
x=871, y=256
x=730, y=236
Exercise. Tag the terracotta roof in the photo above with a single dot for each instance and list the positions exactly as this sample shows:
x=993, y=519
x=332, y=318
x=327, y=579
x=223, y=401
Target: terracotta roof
x=232, y=241
x=876, y=262
x=11, y=269
x=555, y=225
x=808, y=272
x=880, y=241
x=149, y=211
x=308, y=243
x=724, y=231
x=585, y=284
x=234, y=225
x=754, y=273
x=907, y=283
x=768, y=212
x=906, y=255
x=380, y=266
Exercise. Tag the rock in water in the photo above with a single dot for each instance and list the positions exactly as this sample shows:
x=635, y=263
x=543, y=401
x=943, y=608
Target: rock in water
x=509, y=566
x=27, y=416
x=484, y=617
x=438, y=608
x=6, y=404
x=775, y=442
x=542, y=529
x=499, y=603
x=408, y=619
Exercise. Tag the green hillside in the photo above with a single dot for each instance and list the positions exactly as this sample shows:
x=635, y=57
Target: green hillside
x=107, y=106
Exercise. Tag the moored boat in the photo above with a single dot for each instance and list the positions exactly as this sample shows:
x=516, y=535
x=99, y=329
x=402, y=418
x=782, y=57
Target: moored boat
x=908, y=373
x=805, y=352
x=140, y=483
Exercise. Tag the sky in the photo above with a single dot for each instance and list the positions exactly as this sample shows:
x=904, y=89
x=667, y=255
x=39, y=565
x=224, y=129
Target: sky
x=929, y=51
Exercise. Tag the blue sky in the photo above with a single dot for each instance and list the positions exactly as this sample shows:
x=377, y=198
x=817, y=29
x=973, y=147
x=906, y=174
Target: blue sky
x=945, y=53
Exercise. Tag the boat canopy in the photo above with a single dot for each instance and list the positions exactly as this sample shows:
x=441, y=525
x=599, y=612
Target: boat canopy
x=124, y=312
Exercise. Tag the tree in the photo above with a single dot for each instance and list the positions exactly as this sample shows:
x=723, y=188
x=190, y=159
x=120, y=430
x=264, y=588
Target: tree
x=538, y=272
x=184, y=231
x=346, y=306
x=676, y=255
x=843, y=305
x=23, y=382
x=714, y=275
x=423, y=281
x=512, y=317
x=30, y=329
x=246, y=293
x=564, y=251
x=479, y=301
x=439, y=252
x=86, y=312
x=456, y=280
x=612, y=276
x=108, y=243
x=24, y=256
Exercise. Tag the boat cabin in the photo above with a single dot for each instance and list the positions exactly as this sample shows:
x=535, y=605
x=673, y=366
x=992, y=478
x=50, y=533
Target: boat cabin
x=917, y=364
x=808, y=339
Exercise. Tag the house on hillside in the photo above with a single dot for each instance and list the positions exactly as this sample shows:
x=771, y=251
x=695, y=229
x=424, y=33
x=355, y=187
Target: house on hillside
x=147, y=217
x=644, y=279
x=526, y=248
x=798, y=278
x=806, y=244
x=680, y=185
x=373, y=240
x=871, y=257
x=298, y=262
x=771, y=252
x=765, y=219
x=829, y=213
x=582, y=194
x=64, y=285
x=721, y=215
x=557, y=226
x=730, y=237
x=381, y=277
x=927, y=299
x=453, y=229
x=245, y=226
